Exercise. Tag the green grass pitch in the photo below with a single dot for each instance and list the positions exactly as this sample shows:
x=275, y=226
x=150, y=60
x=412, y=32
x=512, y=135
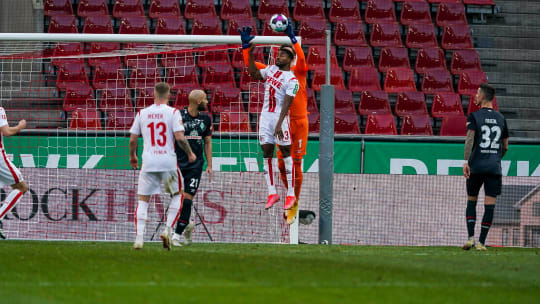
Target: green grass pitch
x=88, y=272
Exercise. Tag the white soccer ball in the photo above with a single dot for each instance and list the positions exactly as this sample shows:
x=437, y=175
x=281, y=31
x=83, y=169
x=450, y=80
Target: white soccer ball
x=278, y=23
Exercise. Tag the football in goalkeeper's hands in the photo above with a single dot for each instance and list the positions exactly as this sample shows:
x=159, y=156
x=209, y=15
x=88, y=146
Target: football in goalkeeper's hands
x=278, y=23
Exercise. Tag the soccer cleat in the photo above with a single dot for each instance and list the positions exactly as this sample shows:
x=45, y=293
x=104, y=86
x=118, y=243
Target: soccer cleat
x=188, y=234
x=139, y=242
x=176, y=240
x=480, y=247
x=272, y=199
x=289, y=202
x=166, y=237
x=291, y=213
x=470, y=244
x=2, y=235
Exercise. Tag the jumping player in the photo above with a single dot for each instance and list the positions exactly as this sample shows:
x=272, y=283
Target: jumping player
x=485, y=145
x=160, y=125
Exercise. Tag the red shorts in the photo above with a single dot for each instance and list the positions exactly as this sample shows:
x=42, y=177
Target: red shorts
x=299, y=130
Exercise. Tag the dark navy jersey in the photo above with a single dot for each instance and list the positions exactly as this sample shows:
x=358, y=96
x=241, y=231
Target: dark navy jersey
x=196, y=129
x=490, y=130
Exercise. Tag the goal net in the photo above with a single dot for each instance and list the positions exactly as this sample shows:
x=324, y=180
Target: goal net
x=79, y=99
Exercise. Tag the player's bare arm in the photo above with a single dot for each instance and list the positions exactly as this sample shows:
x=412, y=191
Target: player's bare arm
x=208, y=155
x=184, y=145
x=287, y=101
x=469, y=141
x=133, y=143
x=504, y=146
x=253, y=70
x=10, y=131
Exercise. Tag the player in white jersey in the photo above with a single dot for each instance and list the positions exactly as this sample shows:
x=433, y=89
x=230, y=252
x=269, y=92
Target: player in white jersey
x=9, y=174
x=159, y=125
x=280, y=89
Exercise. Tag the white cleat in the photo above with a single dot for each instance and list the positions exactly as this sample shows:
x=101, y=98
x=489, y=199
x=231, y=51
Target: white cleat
x=176, y=240
x=139, y=242
x=166, y=237
x=188, y=234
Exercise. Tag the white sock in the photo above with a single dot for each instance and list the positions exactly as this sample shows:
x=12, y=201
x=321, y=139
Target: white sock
x=174, y=210
x=11, y=201
x=289, y=169
x=140, y=217
x=269, y=174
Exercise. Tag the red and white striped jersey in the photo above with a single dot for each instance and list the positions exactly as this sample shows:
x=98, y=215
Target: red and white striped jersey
x=157, y=124
x=3, y=122
x=278, y=84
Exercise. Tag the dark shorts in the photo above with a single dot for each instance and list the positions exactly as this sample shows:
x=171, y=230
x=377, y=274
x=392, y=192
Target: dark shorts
x=192, y=178
x=492, y=184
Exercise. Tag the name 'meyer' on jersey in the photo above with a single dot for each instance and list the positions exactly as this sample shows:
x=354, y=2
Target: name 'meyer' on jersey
x=278, y=84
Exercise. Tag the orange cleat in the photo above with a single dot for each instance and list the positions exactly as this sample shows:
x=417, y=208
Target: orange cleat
x=289, y=202
x=272, y=199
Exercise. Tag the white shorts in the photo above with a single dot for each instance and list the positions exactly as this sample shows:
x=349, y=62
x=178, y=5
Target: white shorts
x=267, y=126
x=9, y=174
x=150, y=182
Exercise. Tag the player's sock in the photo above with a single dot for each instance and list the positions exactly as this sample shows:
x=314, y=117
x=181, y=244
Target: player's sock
x=298, y=177
x=282, y=171
x=486, y=222
x=269, y=174
x=185, y=214
x=12, y=199
x=174, y=210
x=289, y=169
x=140, y=217
x=470, y=214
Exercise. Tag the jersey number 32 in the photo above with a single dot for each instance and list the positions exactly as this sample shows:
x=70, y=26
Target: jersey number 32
x=490, y=137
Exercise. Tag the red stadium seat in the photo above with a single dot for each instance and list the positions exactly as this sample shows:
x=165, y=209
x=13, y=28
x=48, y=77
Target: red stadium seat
x=79, y=95
x=218, y=76
x=99, y=47
x=479, y=2
x=469, y=82
x=380, y=11
x=346, y=123
x=238, y=23
x=311, y=101
x=144, y=77
x=227, y=100
x=85, y=119
x=124, y=8
x=212, y=58
x=416, y=125
x=115, y=99
x=357, y=57
x=336, y=79
x=414, y=12
x=65, y=50
x=307, y=9
x=456, y=37
x=175, y=58
x=437, y=81
x=399, y=80
x=374, y=102
x=421, y=36
x=316, y=57
x=344, y=9
x=234, y=122
x=161, y=8
x=450, y=13
x=381, y=125
x=199, y=9
x=445, y=104
x=392, y=57
x=246, y=81
x=256, y=97
x=444, y=1
x=145, y=98
x=134, y=25
x=343, y=101
x=181, y=99
x=92, y=8
x=71, y=72
x=236, y=9
x=465, y=60
x=430, y=59
x=206, y=25
x=267, y=8
x=385, y=34
x=98, y=25
x=314, y=122
x=108, y=75
x=238, y=58
x=120, y=120
x=170, y=25
x=57, y=7
x=182, y=75
x=312, y=31
x=474, y=107
x=454, y=126
x=63, y=24
x=349, y=33
x=411, y=103
x=362, y=79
